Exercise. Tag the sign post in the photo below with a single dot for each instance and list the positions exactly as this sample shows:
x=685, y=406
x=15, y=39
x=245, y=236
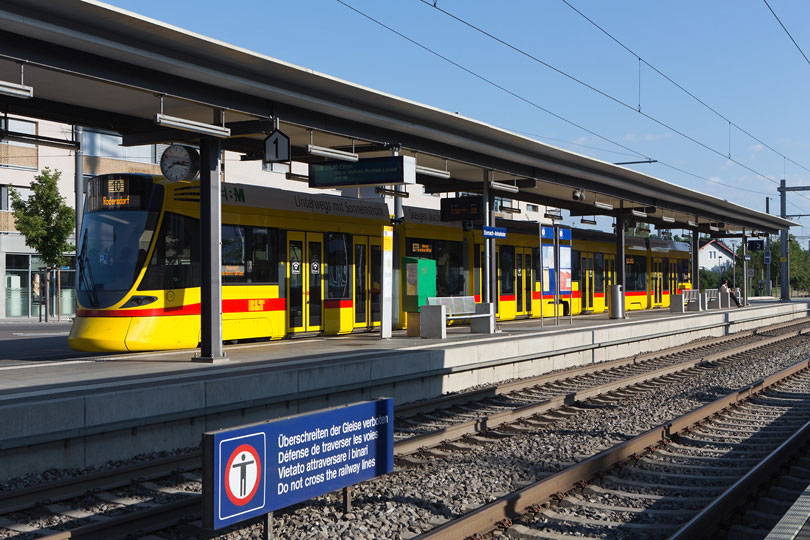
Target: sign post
x=387, y=281
x=252, y=470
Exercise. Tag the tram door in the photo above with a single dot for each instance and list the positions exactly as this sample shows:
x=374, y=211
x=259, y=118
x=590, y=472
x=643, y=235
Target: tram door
x=367, y=281
x=609, y=276
x=586, y=282
x=483, y=274
x=673, y=277
x=304, y=281
x=524, y=281
x=657, y=282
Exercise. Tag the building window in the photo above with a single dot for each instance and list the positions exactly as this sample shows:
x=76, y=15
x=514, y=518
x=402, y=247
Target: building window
x=501, y=202
x=18, y=154
x=532, y=208
x=108, y=145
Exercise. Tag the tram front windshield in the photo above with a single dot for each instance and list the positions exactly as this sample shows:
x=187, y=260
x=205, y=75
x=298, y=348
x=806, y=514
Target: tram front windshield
x=112, y=250
x=118, y=226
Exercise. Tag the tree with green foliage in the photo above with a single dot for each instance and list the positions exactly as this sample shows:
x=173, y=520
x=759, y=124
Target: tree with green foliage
x=708, y=279
x=44, y=219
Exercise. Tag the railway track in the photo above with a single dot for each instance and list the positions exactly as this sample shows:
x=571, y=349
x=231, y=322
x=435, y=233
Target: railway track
x=652, y=485
x=430, y=424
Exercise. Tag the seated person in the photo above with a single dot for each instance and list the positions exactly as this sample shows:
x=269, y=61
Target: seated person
x=724, y=288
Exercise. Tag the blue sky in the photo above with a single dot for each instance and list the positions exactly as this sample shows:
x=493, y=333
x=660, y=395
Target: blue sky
x=732, y=55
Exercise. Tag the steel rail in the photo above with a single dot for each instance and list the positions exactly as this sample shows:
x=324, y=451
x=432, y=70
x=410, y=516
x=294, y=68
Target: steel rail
x=12, y=501
x=704, y=524
x=449, y=400
x=513, y=505
x=152, y=519
x=15, y=500
x=20, y=499
x=413, y=444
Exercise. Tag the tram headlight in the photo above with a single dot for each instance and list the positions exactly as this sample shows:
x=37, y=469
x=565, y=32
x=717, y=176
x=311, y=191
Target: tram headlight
x=138, y=301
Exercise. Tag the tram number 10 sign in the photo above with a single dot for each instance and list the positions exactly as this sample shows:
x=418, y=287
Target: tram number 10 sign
x=255, y=469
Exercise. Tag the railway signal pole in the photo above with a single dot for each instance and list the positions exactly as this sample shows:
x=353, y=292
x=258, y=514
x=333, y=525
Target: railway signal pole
x=784, y=237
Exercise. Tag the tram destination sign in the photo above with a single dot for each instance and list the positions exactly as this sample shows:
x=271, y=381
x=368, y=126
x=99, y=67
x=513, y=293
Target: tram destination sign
x=255, y=469
x=382, y=171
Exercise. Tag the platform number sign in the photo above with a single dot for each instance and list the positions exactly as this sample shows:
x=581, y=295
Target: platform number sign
x=276, y=148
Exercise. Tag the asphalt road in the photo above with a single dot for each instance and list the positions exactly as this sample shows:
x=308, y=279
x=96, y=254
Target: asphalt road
x=24, y=341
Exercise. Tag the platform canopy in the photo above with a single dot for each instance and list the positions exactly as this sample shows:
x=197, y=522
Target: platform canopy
x=98, y=66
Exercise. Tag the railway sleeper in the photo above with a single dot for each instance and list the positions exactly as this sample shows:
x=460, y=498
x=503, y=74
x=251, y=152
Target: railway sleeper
x=666, y=464
x=576, y=502
x=759, y=518
x=774, y=507
x=652, y=487
x=603, y=523
x=744, y=532
x=754, y=434
x=724, y=479
x=23, y=528
x=74, y=513
x=601, y=491
x=689, y=440
x=666, y=454
x=522, y=532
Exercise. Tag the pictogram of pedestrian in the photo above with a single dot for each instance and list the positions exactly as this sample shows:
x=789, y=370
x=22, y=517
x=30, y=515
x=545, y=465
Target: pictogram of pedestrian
x=243, y=474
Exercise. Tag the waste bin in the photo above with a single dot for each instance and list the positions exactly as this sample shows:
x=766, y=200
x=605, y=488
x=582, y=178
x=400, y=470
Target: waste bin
x=615, y=302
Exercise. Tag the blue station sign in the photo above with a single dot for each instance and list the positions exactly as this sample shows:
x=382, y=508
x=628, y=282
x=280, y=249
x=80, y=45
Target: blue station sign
x=255, y=469
x=494, y=232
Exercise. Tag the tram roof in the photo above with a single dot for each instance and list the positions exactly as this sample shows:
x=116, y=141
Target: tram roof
x=96, y=65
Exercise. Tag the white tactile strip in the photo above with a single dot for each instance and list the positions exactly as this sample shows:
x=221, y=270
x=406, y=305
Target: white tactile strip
x=794, y=519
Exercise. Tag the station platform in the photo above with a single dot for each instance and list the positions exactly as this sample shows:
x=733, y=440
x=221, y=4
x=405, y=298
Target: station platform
x=83, y=410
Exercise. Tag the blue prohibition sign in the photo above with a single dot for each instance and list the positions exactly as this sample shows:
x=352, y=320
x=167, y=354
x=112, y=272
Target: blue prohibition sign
x=241, y=474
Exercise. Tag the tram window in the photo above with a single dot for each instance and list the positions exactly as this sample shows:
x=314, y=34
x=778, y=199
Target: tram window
x=449, y=268
x=636, y=273
x=665, y=273
x=175, y=263
x=683, y=270
x=598, y=272
x=507, y=262
x=576, y=265
x=233, y=254
x=263, y=258
x=537, y=270
x=338, y=257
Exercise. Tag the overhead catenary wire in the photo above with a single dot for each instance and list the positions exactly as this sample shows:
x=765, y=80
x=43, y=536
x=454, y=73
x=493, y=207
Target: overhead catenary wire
x=786, y=31
x=500, y=87
x=623, y=103
x=491, y=82
x=682, y=88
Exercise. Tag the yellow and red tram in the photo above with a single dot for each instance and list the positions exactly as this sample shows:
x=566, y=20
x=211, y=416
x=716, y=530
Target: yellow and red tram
x=295, y=263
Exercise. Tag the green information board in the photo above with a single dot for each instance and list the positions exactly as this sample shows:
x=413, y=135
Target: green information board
x=419, y=283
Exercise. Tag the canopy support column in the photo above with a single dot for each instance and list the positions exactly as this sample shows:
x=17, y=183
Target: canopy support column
x=211, y=253
x=619, y=264
x=695, y=260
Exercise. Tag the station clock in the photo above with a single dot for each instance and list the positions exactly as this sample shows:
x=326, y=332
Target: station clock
x=180, y=163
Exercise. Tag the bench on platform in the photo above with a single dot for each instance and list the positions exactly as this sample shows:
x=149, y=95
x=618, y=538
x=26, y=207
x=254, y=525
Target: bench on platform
x=688, y=300
x=439, y=310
